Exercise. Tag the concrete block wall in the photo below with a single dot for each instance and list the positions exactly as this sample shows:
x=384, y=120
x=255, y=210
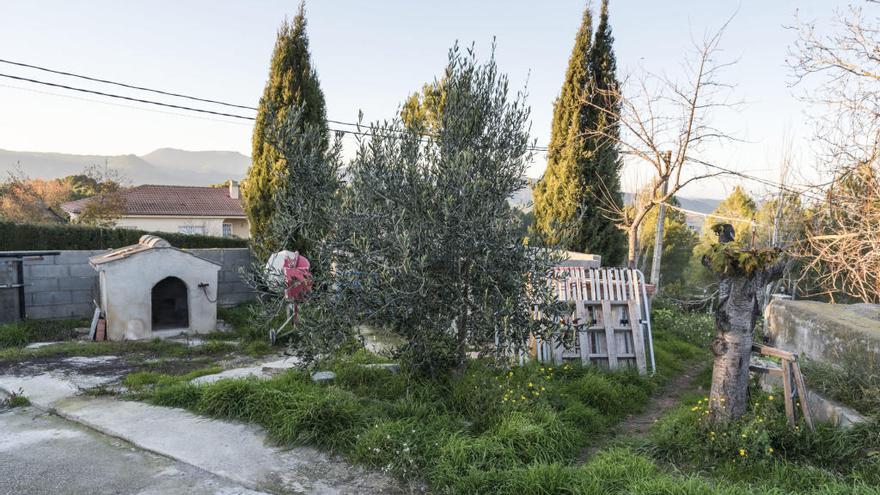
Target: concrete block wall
x=60, y=286
x=64, y=285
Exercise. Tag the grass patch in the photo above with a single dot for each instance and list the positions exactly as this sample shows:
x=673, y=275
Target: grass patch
x=142, y=379
x=154, y=347
x=853, y=382
x=15, y=399
x=762, y=449
x=24, y=332
x=457, y=434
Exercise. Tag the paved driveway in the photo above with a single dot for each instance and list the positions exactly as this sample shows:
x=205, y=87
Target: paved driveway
x=44, y=454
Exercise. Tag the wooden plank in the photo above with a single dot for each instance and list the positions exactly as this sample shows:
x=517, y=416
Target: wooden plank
x=802, y=393
x=786, y=387
x=558, y=349
x=763, y=369
x=610, y=339
x=584, y=339
x=638, y=336
x=774, y=352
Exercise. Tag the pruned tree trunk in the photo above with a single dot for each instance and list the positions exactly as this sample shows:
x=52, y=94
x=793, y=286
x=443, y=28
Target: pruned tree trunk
x=735, y=317
x=734, y=322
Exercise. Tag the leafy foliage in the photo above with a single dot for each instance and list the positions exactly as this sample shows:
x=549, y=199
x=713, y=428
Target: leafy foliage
x=731, y=259
x=21, y=237
x=292, y=84
x=581, y=186
x=739, y=210
x=678, y=244
x=431, y=246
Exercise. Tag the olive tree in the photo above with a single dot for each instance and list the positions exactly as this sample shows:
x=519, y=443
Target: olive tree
x=428, y=245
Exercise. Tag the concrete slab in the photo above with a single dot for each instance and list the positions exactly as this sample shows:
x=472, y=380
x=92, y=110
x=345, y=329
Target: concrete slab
x=237, y=452
x=43, y=454
x=248, y=372
x=276, y=367
x=37, y=345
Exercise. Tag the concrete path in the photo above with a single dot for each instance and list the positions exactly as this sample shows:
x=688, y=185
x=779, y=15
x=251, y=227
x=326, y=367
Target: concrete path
x=235, y=452
x=44, y=454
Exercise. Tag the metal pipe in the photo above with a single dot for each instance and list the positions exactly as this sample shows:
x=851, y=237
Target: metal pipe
x=647, y=320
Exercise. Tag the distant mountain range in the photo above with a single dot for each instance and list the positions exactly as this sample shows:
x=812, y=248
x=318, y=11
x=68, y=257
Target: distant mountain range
x=163, y=166
x=523, y=199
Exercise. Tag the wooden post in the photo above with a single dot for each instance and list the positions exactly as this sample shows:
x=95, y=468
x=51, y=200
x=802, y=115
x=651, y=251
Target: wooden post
x=610, y=339
x=786, y=387
x=802, y=394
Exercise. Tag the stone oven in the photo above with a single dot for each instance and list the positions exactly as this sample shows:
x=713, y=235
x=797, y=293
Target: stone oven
x=152, y=289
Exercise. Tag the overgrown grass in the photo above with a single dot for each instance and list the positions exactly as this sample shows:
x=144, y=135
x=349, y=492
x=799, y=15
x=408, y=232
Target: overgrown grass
x=143, y=379
x=762, y=449
x=24, y=332
x=454, y=433
x=240, y=318
x=853, y=382
x=154, y=347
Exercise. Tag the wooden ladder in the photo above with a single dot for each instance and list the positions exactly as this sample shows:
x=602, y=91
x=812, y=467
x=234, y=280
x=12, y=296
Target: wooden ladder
x=792, y=381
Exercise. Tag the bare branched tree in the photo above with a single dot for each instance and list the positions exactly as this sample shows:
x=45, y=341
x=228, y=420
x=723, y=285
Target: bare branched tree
x=667, y=124
x=841, y=242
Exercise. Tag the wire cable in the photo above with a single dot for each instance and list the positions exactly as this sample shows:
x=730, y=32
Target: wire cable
x=125, y=85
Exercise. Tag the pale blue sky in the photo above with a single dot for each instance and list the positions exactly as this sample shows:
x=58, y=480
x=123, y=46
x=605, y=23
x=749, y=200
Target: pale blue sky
x=369, y=56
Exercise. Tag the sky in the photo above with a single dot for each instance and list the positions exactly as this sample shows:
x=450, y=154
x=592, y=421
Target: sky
x=369, y=57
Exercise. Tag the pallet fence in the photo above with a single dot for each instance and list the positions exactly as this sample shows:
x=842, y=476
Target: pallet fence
x=612, y=318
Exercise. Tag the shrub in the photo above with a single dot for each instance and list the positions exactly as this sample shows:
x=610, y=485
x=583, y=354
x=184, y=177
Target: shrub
x=182, y=395
x=536, y=436
x=329, y=420
x=32, y=237
x=227, y=398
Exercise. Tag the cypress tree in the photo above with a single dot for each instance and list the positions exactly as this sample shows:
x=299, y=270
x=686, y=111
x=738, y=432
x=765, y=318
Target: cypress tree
x=292, y=83
x=571, y=199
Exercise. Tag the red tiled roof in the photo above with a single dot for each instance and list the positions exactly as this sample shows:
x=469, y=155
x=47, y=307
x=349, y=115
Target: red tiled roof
x=173, y=201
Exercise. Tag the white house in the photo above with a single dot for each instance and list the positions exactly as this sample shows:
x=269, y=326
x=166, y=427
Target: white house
x=213, y=211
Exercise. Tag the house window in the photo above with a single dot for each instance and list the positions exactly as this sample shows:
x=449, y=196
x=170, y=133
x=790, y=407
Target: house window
x=192, y=229
x=227, y=230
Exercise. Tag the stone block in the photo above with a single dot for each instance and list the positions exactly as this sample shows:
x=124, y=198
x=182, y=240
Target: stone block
x=390, y=367
x=46, y=271
x=215, y=255
x=40, y=285
x=83, y=296
x=323, y=376
x=82, y=270
x=74, y=257
x=39, y=260
x=77, y=283
x=825, y=332
x=50, y=298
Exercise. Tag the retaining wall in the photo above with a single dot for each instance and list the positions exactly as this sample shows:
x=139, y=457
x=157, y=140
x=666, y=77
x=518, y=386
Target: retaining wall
x=65, y=285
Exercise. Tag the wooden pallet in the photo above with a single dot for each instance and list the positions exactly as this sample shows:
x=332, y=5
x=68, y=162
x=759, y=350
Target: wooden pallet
x=610, y=314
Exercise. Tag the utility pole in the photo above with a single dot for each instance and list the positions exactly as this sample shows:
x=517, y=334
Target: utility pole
x=661, y=221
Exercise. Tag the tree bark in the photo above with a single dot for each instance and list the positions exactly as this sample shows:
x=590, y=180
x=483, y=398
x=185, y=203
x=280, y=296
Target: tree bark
x=734, y=323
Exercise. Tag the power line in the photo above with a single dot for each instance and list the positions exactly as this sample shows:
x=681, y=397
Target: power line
x=189, y=97
x=122, y=105
x=128, y=98
x=201, y=110
x=125, y=85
